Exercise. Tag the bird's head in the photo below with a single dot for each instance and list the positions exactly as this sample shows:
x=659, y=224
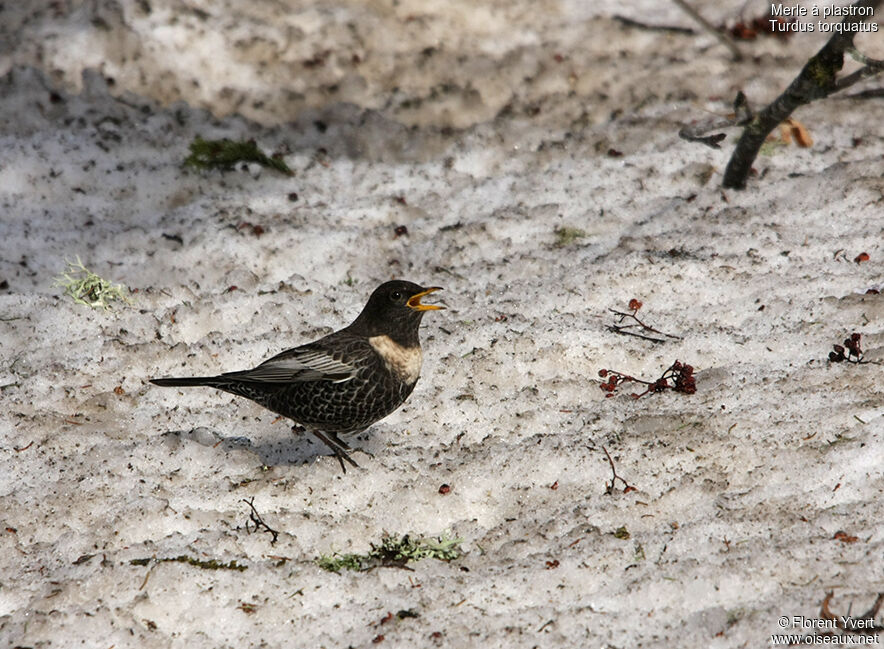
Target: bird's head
x=395, y=309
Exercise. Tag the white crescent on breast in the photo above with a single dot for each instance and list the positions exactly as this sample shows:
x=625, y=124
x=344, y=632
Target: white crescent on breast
x=405, y=361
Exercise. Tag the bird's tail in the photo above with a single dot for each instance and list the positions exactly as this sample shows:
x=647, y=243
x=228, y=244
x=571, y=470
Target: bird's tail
x=184, y=381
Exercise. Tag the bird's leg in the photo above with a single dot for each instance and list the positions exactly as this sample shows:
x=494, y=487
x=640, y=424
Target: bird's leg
x=337, y=445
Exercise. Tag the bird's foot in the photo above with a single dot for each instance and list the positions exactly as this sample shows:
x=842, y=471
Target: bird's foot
x=339, y=447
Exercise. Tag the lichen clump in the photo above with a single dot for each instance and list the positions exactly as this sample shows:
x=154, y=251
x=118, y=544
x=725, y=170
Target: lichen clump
x=87, y=288
x=394, y=552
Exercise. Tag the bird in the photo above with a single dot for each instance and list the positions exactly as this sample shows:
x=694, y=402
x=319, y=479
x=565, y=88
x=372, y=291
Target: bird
x=343, y=383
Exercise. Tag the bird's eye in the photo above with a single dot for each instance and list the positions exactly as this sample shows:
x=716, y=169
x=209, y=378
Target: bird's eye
x=395, y=296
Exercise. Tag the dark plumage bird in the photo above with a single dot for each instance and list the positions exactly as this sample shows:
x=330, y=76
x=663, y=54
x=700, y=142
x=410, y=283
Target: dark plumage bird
x=345, y=382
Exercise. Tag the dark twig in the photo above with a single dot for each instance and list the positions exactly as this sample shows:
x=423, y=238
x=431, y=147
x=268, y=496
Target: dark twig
x=871, y=93
x=609, y=488
x=870, y=69
x=697, y=132
x=258, y=522
x=675, y=29
x=623, y=330
x=723, y=38
x=815, y=81
x=692, y=134
x=742, y=111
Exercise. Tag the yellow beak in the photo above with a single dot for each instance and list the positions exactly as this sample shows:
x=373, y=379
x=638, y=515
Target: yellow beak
x=415, y=301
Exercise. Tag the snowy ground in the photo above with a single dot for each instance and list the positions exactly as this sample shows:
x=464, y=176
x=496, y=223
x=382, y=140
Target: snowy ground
x=484, y=128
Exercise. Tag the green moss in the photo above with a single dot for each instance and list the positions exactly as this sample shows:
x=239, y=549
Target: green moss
x=822, y=73
x=87, y=288
x=621, y=533
x=394, y=551
x=225, y=154
x=211, y=564
x=566, y=236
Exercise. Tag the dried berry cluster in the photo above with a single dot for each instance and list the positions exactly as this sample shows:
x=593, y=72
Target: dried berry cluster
x=679, y=377
x=851, y=346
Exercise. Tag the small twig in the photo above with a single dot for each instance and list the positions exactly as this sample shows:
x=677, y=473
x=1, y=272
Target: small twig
x=609, y=488
x=742, y=115
x=147, y=576
x=871, y=93
x=723, y=38
x=259, y=523
x=742, y=111
x=634, y=306
x=623, y=329
x=675, y=29
x=870, y=69
x=695, y=134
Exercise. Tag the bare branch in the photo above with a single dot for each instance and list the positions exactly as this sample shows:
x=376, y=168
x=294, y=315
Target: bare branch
x=871, y=68
x=815, y=81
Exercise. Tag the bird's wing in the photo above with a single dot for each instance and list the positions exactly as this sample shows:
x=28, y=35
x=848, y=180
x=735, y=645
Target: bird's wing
x=307, y=363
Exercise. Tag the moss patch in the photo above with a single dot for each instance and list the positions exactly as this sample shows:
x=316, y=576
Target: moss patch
x=225, y=154
x=211, y=564
x=566, y=236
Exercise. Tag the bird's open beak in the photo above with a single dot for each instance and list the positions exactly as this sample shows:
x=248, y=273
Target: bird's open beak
x=415, y=300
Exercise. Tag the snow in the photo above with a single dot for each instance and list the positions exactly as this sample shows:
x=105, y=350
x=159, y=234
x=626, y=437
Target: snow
x=483, y=147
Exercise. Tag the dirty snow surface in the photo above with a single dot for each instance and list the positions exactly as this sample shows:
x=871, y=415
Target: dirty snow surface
x=531, y=152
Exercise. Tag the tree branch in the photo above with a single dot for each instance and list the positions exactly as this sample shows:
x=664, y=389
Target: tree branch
x=815, y=81
x=872, y=67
